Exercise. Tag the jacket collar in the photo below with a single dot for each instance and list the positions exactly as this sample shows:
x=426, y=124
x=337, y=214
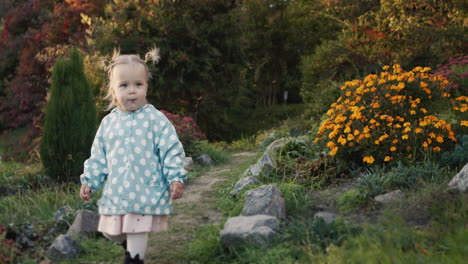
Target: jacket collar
x=120, y=112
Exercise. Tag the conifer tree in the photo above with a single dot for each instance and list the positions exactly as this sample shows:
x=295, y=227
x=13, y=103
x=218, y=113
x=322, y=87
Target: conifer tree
x=70, y=121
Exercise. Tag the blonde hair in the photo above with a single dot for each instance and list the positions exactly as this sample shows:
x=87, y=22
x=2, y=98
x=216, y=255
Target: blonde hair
x=117, y=59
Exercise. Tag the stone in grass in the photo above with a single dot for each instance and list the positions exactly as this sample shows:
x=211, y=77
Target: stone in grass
x=86, y=221
x=328, y=217
x=390, y=197
x=242, y=183
x=460, y=181
x=265, y=200
x=204, y=160
x=64, y=247
x=256, y=229
x=264, y=166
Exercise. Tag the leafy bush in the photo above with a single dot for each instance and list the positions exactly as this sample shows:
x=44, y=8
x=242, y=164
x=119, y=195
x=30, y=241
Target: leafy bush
x=386, y=117
x=352, y=199
x=70, y=121
x=455, y=70
x=188, y=131
x=218, y=155
x=294, y=197
x=458, y=157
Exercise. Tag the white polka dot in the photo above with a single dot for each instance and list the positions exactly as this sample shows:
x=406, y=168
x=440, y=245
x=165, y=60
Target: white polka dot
x=148, y=154
x=132, y=195
x=131, y=157
x=134, y=122
x=137, y=169
x=149, y=135
x=143, y=142
x=102, y=179
x=145, y=124
x=94, y=166
x=172, y=137
x=163, y=201
x=132, y=139
x=117, y=126
x=158, y=211
x=124, y=203
x=155, y=128
x=153, y=201
x=103, y=161
x=95, y=172
x=115, y=199
x=136, y=207
x=152, y=117
x=121, y=132
x=96, y=183
x=147, y=173
x=167, y=211
x=174, y=152
x=143, y=199
x=178, y=159
x=147, y=210
x=140, y=115
x=137, y=150
x=166, y=131
x=162, y=123
x=132, y=175
x=121, y=151
x=120, y=189
x=126, y=184
x=137, y=188
x=158, y=193
x=156, y=140
x=105, y=170
x=143, y=162
x=138, y=132
x=121, y=170
x=147, y=110
x=128, y=123
x=147, y=191
x=114, y=161
x=114, y=180
x=109, y=191
x=111, y=135
x=163, y=142
x=166, y=193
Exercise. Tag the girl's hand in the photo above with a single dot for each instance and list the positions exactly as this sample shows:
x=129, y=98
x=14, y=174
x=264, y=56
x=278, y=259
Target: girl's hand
x=85, y=192
x=177, y=189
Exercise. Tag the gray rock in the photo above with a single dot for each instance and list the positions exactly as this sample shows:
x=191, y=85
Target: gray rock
x=242, y=183
x=460, y=181
x=389, y=197
x=188, y=165
x=264, y=166
x=64, y=247
x=257, y=229
x=328, y=217
x=204, y=160
x=62, y=212
x=276, y=145
x=265, y=200
x=86, y=221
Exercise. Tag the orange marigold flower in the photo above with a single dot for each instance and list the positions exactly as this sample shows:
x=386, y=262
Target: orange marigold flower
x=425, y=144
x=393, y=148
x=333, y=151
x=464, y=123
x=432, y=135
x=405, y=136
x=350, y=137
x=412, y=112
x=368, y=159
x=440, y=139
x=386, y=67
x=437, y=149
x=388, y=158
x=418, y=130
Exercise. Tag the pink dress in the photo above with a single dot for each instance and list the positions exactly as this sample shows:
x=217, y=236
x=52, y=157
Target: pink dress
x=132, y=223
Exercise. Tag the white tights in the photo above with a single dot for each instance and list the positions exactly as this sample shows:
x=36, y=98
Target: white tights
x=136, y=243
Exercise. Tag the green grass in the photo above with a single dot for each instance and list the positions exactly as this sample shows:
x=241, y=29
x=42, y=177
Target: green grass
x=38, y=206
x=14, y=173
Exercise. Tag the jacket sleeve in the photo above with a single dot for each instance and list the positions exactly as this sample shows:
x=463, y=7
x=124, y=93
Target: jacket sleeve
x=95, y=168
x=170, y=151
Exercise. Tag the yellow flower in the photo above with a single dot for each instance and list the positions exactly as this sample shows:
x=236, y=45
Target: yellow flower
x=368, y=159
x=440, y=139
x=377, y=142
x=464, y=123
x=422, y=84
x=348, y=93
x=386, y=67
x=406, y=130
x=393, y=148
x=356, y=132
x=405, y=136
x=418, y=130
x=425, y=144
x=436, y=149
x=333, y=151
x=412, y=112
x=432, y=135
x=350, y=137
x=387, y=158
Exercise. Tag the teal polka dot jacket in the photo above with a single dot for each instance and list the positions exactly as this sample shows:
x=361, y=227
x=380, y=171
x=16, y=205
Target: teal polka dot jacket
x=136, y=156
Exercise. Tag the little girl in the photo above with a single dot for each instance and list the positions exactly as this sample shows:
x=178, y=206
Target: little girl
x=138, y=157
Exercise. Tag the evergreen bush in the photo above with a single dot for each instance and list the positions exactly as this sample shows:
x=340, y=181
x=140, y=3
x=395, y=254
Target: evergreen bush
x=70, y=121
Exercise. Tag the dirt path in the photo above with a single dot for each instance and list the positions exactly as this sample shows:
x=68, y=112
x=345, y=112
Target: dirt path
x=193, y=210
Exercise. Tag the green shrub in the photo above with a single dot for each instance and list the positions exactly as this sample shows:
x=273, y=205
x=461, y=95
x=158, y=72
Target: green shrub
x=219, y=156
x=458, y=157
x=70, y=121
x=295, y=197
x=352, y=199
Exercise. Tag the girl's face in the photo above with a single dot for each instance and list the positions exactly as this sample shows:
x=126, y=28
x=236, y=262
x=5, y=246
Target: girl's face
x=129, y=86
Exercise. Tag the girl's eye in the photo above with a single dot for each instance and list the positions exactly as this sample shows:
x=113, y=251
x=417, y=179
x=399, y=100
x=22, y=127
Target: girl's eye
x=123, y=85
x=139, y=84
